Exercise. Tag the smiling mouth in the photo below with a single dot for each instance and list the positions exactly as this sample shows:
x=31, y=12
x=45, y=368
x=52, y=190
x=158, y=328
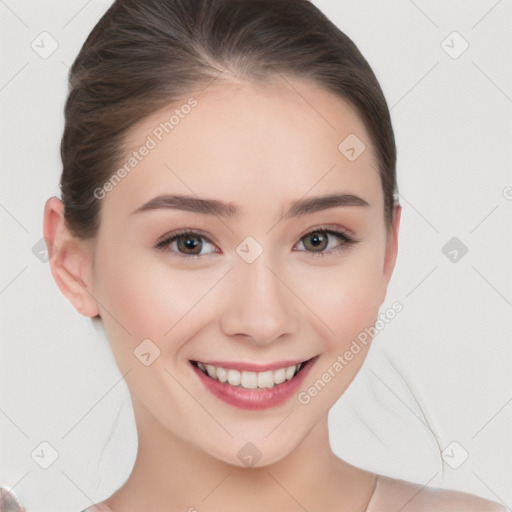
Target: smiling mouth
x=252, y=380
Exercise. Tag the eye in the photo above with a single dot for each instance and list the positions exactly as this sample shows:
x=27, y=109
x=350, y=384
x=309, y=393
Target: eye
x=318, y=244
x=189, y=244
x=185, y=244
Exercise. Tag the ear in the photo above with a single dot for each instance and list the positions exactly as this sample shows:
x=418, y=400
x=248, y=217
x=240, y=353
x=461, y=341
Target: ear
x=70, y=259
x=391, y=248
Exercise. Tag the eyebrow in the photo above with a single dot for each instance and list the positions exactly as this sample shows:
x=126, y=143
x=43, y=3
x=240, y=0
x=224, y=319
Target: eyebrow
x=222, y=209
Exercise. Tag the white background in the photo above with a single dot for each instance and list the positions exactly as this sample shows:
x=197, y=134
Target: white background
x=439, y=373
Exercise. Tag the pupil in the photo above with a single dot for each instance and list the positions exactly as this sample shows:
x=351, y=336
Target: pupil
x=190, y=243
x=317, y=239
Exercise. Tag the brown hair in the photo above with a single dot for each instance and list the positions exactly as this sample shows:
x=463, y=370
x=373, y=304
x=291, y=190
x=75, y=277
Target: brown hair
x=145, y=54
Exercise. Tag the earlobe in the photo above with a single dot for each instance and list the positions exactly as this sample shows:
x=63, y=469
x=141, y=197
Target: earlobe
x=391, y=248
x=69, y=260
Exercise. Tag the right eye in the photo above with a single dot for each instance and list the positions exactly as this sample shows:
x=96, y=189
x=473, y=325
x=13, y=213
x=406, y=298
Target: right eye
x=184, y=244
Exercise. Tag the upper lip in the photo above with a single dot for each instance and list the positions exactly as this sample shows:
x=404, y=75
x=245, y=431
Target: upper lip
x=252, y=367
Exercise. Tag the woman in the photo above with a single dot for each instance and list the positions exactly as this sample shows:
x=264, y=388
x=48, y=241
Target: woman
x=229, y=215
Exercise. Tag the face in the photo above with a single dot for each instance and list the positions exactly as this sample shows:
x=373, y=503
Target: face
x=265, y=276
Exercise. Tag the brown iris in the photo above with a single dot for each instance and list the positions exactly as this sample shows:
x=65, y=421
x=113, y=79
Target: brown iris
x=189, y=242
x=317, y=238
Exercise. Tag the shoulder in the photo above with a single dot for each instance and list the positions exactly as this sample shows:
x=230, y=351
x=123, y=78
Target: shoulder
x=392, y=495
x=99, y=507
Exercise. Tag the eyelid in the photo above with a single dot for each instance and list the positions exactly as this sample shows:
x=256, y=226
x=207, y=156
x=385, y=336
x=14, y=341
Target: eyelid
x=162, y=244
x=330, y=227
x=185, y=231
x=349, y=240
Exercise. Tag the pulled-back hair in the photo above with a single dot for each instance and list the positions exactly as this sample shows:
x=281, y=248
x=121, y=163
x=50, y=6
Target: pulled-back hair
x=145, y=54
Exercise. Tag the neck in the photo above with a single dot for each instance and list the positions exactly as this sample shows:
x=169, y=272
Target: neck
x=171, y=473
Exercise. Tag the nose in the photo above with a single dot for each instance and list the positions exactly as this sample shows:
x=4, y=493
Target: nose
x=259, y=303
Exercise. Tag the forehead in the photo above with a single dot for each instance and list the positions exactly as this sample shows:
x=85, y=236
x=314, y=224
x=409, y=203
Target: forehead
x=268, y=141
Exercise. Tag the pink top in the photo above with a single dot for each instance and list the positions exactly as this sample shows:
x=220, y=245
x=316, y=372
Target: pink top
x=392, y=495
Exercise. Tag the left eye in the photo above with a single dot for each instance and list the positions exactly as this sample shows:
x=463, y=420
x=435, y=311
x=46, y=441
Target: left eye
x=318, y=241
x=188, y=244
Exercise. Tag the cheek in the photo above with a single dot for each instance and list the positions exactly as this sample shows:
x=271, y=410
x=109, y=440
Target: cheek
x=148, y=298
x=346, y=297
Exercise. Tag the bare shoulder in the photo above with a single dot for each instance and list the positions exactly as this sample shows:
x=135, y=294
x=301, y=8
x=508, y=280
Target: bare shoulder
x=393, y=495
x=98, y=507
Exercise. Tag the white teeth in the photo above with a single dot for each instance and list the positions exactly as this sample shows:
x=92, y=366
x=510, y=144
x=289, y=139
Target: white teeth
x=290, y=372
x=222, y=374
x=266, y=379
x=250, y=380
x=234, y=377
x=280, y=376
x=211, y=371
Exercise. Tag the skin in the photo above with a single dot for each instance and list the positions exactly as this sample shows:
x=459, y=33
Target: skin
x=287, y=304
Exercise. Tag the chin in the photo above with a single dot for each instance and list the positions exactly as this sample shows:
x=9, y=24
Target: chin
x=252, y=454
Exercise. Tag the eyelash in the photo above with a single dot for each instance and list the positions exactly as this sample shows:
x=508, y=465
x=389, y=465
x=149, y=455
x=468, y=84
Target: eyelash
x=163, y=243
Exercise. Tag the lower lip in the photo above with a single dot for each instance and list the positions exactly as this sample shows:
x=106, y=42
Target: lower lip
x=254, y=399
